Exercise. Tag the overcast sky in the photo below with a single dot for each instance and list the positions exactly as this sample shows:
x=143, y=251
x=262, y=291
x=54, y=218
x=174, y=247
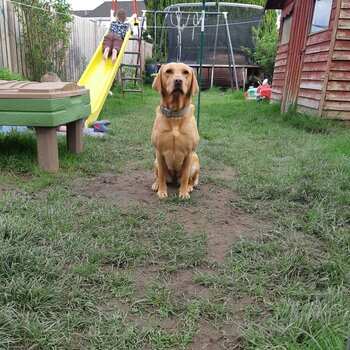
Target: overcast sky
x=86, y=4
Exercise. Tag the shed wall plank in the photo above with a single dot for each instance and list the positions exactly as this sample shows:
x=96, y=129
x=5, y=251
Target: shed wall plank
x=338, y=86
x=319, y=57
x=341, y=55
x=343, y=34
x=313, y=75
x=308, y=102
x=339, y=75
x=316, y=48
x=339, y=115
x=337, y=106
x=308, y=93
x=336, y=96
x=310, y=67
x=314, y=85
x=318, y=38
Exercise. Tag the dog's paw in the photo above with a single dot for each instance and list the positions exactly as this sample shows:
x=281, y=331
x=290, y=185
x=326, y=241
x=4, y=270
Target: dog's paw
x=184, y=195
x=190, y=188
x=162, y=194
x=155, y=187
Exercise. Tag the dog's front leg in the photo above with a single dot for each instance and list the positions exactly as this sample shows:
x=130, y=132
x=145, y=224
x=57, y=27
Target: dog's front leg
x=183, y=193
x=162, y=188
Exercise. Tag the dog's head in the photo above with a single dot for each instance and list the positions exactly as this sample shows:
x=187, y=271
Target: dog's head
x=176, y=78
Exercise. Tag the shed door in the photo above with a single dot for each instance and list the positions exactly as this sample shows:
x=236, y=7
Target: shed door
x=301, y=17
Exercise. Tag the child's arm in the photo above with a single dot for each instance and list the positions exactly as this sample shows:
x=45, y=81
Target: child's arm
x=130, y=19
x=112, y=15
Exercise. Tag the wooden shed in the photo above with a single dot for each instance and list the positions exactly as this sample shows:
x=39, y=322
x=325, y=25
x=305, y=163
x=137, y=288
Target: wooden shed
x=312, y=69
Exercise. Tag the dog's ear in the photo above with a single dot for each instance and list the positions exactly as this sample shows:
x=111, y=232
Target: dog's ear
x=194, y=86
x=157, y=83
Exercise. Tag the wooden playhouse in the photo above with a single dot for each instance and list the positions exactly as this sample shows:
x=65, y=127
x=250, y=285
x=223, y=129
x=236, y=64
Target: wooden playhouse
x=312, y=69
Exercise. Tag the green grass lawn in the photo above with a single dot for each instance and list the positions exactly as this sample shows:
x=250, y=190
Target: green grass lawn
x=258, y=258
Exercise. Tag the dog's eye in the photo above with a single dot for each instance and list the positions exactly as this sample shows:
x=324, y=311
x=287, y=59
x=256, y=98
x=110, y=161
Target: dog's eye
x=186, y=72
x=168, y=71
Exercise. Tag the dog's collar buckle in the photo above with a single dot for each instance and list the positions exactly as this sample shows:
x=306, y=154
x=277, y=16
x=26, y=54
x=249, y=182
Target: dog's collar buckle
x=174, y=114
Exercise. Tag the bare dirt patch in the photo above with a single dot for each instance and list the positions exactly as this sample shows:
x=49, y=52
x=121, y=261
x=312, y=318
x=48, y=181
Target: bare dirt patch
x=125, y=189
x=217, y=217
x=144, y=277
x=183, y=286
x=213, y=211
x=4, y=188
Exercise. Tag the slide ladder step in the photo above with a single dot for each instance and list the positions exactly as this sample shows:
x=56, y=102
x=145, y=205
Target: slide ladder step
x=131, y=78
x=130, y=65
x=130, y=90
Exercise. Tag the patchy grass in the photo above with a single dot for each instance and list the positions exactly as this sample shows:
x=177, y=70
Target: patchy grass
x=89, y=261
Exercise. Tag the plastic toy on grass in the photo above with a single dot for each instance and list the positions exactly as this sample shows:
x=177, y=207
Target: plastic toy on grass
x=251, y=93
x=263, y=91
x=101, y=122
x=100, y=128
x=260, y=93
x=100, y=125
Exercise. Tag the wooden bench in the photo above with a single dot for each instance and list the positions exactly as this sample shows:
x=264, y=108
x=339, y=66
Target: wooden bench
x=45, y=106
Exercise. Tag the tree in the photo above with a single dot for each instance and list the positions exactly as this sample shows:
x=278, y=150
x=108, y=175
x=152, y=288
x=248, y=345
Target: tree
x=45, y=34
x=265, y=51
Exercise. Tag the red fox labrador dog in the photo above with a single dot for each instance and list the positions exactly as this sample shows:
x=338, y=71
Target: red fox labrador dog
x=175, y=135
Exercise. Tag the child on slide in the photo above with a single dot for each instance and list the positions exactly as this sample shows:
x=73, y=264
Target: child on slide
x=113, y=41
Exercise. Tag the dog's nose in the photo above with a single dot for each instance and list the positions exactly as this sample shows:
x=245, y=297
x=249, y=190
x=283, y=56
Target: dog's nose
x=178, y=81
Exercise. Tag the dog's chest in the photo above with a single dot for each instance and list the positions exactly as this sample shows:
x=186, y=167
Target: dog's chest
x=177, y=139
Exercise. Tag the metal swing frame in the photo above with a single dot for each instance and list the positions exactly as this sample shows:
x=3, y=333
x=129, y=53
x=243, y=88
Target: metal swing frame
x=170, y=11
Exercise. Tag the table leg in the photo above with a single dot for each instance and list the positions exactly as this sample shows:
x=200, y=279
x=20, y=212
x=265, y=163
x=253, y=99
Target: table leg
x=46, y=142
x=75, y=136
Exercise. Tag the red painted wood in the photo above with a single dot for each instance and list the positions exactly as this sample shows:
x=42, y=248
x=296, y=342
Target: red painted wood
x=339, y=75
x=282, y=48
x=319, y=37
x=281, y=63
x=345, y=4
x=342, y=44
x=344, y=24
x=317, y=66
x=308, y=102
x=311, y=84
x=345, y=14
x=337, y=105
x=341, y=56
x=340, y=65
x=278, y=76
x=340, y=115
x=343, y=34
x=337, y=96
x=313, y=75
x=278, y=82
x=307, y=93
x=316, y=57
x=308, y=62
x=280, y=69
x=319, y=47
x=338, y=86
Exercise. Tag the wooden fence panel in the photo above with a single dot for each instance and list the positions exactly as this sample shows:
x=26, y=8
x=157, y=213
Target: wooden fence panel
x=85, y=38
x=3, y=33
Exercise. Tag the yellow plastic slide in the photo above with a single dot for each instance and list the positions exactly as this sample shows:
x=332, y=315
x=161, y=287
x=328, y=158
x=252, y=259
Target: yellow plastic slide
x=98, y=78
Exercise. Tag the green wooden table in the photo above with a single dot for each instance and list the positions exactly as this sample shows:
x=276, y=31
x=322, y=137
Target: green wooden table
x=45, y=106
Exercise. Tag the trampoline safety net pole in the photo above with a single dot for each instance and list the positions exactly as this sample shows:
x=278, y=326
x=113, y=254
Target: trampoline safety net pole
x=200, y=64
x=231, y=50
